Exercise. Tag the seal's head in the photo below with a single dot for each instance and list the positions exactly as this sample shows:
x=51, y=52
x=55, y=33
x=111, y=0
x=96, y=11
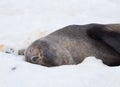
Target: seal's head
x=48, y=54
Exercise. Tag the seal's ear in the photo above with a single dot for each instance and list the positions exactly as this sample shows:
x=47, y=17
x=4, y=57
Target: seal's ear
x=109, y=37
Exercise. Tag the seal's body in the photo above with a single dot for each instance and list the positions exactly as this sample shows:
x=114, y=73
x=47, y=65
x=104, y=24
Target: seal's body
x=72, y=44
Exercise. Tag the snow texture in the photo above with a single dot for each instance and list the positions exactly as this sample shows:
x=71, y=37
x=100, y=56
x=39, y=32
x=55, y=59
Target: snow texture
x=23, y=21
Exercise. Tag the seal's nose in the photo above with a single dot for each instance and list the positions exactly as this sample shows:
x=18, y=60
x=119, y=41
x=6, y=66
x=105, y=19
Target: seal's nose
x=34, y=59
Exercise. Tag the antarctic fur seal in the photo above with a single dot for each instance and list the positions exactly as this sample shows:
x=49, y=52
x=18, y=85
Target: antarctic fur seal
x=73, y=43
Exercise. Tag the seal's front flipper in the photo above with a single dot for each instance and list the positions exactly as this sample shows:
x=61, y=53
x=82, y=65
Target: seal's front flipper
x=109, y=37
x=113, y=40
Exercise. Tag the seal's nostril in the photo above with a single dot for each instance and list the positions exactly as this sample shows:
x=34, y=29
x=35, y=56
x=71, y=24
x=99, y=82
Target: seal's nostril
x=34, y=59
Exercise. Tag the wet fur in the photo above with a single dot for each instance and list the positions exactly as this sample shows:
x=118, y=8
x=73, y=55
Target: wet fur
x=72, y=44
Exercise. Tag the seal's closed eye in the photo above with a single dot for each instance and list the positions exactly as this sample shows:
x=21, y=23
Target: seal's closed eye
x=34, y=59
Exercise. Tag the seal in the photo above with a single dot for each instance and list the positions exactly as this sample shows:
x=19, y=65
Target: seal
x=73, y=43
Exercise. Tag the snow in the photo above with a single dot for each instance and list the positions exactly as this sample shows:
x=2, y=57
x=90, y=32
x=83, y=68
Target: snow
x=23, y=21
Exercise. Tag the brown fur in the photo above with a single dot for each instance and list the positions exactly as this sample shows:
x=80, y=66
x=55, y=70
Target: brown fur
x=72, y=44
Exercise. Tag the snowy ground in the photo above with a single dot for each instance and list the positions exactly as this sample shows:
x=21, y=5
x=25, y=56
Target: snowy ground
x=23, y=21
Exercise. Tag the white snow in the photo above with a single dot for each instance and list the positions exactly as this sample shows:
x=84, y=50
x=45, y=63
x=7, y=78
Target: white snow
x=23, y=21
